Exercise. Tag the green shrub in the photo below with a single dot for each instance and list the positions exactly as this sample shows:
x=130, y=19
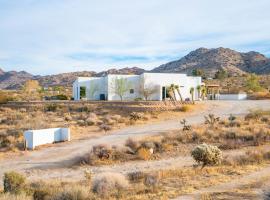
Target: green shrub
x=13, y=182
x=207, y=154
x=61, y=97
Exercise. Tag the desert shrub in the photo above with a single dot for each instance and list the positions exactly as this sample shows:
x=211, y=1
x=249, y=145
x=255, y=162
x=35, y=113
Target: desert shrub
x=116, y=118
x=41, y=194
x=4, y=98
x=105, y=127
x=81, y=122
x=59, y=192
x=102, y=151
x=184, y=108
x=265, y=119
x=137, y=176
x=51, y=107
x=8, y=196
x=144, y=153
x=136, y=116
x=106, y=183
x=253, y=115
x=250, y=157
x=83, y=109
x=13, y=182
x=68, y=117
x=151, y=180
x=61, y=97
x=207, y=154
x=134, y=145
x=72, y=193
x=90, y=121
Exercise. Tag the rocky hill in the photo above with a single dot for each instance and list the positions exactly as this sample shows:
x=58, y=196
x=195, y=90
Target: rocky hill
x=212, y=60
x=209, y=60
x=15, y=80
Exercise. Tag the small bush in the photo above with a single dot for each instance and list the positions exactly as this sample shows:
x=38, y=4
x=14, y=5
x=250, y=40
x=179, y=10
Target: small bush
x=51, y=107
x=137, y=176
x=72, y=193
x=151, y=180
x=207, y=154
x=144, y=153
x=136, y=116
x=13, y=182
x=106, y=183
x=61, y=97
x=250, y=157
x=254, y=115
x=105, y=127
x=134, y=145
x=185, y=108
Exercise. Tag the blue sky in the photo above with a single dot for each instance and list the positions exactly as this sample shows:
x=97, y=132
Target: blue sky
x=54, y=36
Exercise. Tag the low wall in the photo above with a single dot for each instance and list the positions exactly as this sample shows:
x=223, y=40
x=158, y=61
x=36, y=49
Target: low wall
x=233, y=96
x=35, y=138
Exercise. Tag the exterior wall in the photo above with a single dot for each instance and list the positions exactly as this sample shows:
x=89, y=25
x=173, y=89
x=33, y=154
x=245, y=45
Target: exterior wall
x=35, y=138
x=133, y=81
x=106, y=85
x=166, y=79
x=242, y=96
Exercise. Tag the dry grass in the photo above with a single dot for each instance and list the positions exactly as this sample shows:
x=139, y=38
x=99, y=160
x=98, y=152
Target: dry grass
x=84, y=120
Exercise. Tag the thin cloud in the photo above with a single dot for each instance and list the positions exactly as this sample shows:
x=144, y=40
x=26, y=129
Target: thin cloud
x=45, y=37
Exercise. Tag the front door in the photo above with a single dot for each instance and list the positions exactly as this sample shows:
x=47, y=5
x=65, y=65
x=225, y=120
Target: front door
x=102, y=97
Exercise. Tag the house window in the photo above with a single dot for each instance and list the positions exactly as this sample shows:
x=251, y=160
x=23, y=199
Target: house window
x=82, y=92
x=131, y=91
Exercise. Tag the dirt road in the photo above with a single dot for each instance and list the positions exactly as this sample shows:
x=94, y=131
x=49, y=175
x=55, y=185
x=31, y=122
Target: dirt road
x=62, y=155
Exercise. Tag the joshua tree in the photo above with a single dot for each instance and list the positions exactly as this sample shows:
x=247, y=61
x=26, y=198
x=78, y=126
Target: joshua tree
x=191, y=91
x=199, y=88
x=211, y=119
x=178, y=91
x=170, y=93
x=172, y=88
x=203, y=92
x=185, y=126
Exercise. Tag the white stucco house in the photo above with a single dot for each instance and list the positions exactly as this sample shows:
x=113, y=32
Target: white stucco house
x=153, y=86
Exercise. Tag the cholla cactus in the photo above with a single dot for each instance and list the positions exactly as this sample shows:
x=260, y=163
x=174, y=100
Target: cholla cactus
x=207, y=154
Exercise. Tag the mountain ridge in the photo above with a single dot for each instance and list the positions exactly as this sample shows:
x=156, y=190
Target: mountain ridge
x=214, y=59
x=209, y=60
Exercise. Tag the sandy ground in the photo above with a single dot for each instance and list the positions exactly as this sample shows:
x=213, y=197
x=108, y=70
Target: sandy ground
x=55, y=161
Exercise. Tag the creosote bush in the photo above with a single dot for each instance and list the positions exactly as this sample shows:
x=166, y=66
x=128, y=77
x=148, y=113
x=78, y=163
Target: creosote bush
x=13, y=182
x=207, y=154
x=106, y=183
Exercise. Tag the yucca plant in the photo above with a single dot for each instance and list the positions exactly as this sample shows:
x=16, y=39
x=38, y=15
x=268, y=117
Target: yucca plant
x=177, y=87
x=211, y=119
x=191, y=91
